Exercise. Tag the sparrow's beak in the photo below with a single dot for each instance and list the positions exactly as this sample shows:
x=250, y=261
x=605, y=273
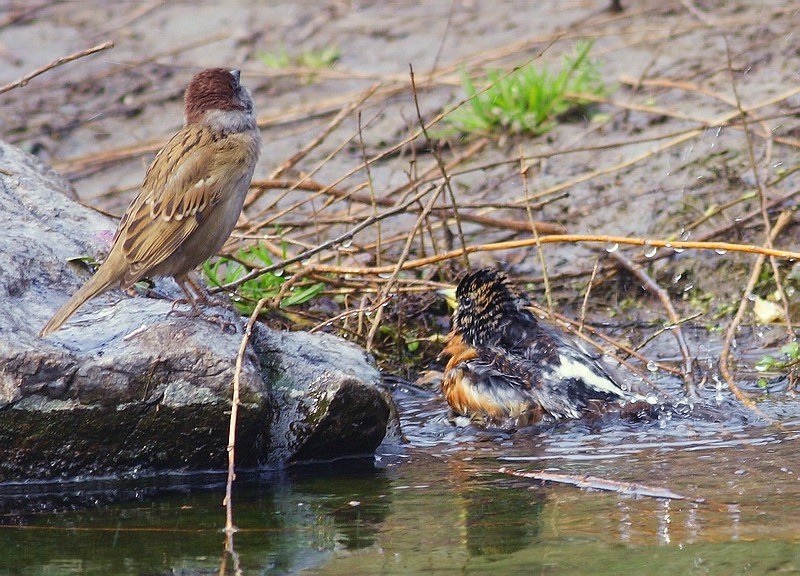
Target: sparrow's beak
x=449, y=297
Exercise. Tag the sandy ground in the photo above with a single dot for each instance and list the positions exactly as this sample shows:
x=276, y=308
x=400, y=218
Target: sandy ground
x=667, y=156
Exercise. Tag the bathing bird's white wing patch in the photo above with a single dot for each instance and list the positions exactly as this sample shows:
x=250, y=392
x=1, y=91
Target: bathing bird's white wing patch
x=571, y=369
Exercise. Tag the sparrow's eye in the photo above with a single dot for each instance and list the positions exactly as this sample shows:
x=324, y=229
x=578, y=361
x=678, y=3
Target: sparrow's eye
x=466, y=301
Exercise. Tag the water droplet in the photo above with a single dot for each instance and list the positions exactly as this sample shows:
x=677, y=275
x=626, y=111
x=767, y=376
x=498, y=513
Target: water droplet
x=676, y=250
x=720, y=251
x=684, y=234
x=652, y=366
x=347, y=243
x=751, y=297
x=714, y=141
x=676, y=277
x=279, y=272
x=612, y=247
x=385, y=275
x=650, y=250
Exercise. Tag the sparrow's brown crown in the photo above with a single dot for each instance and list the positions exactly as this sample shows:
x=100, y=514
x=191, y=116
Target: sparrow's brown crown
x=215, y=89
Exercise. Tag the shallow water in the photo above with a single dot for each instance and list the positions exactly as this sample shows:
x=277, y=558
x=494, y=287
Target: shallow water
x=440, y=505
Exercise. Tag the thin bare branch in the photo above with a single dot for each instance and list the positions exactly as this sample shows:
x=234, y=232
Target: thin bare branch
x=666, y=301
x=719, y=247
x=55, y=64
x=228, y=502
x=744, y=303
x=387, y=288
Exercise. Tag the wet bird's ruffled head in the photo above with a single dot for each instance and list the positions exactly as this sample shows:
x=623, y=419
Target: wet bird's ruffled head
x=485, y=305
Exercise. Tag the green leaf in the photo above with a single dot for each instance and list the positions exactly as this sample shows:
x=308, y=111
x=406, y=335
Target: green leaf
x=792, y=350
x=766, y=363
x=302, y=296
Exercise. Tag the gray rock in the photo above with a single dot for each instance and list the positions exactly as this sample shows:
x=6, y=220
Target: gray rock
x=329, y=411
x=126, y=388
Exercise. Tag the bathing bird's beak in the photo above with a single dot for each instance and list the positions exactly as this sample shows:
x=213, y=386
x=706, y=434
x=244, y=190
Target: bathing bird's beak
x=449, y=297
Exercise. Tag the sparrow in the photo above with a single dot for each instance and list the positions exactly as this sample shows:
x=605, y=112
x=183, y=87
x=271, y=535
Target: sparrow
x=191, y=196
x=505, y=364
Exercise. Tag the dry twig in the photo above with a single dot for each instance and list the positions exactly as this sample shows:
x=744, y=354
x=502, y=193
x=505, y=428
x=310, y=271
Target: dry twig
x=228, y=502
x=762, y=194
x=399, y=265
x=652, y=286
x=744, y=302
x=55, y=64
x=719, y=247
x=442, y=168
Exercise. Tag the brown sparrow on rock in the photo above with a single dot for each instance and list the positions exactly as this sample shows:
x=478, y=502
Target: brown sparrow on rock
x=192, y=193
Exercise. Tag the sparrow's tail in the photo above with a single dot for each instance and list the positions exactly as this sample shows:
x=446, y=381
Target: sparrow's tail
x=103, y=279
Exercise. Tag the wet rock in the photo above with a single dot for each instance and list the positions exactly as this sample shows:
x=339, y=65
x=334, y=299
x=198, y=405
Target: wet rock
x=321, y=412
x=126, y=388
